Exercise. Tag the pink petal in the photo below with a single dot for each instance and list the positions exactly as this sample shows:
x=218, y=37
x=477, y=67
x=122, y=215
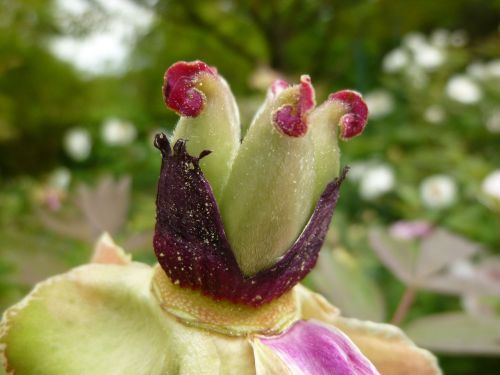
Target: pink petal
x=313, y=348
x=409, y=230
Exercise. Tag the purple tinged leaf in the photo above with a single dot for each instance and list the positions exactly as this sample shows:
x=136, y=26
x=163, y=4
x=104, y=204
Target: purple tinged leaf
x=469, y=279
x=457, y=332
x=449, y=283
x=106, y=205
x=396, y=255
x=435, y=264
x=343, y=280
x=101, y=208
x=440, y=249
x=191, y=245
x=313, y=348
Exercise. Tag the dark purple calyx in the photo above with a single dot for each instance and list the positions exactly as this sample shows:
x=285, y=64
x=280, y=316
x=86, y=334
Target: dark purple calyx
x=191, y=245
x=354, y=121
x=291, y=119
x=180, y=91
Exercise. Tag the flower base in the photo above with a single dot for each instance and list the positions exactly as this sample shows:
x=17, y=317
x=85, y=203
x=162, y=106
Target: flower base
x=198, y=310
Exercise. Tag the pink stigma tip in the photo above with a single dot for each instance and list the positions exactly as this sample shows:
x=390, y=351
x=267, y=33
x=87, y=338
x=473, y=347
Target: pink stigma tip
x=354, y=121
x=291, y=120
x=179, y=87
x=278, y=86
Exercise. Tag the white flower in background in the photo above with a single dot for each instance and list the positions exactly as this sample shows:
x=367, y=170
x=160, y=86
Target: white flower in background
x=463, y=89
x=434, y=114
x=491, y=185
x=263, y=77
x=493, y=121
x=484, y=71
x=417, y=76
x=52, y=194
x=438, y=191
x=60, y=178
x=477, y=70
x=493, y=68
x=116, y=132
x=103, y=49
x=429, y=57
x=414, y=41
x=380, y=103
x=357, y=170
x=426, y=55
x=458, y=38
x=440, y=38
x=78, y=144
x=395, y=60
x=376, y=181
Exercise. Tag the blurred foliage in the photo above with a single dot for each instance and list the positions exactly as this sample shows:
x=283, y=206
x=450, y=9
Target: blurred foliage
x=342, y=43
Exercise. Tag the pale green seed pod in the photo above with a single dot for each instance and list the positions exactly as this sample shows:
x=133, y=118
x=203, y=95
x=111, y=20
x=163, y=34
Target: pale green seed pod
x=268, y=197
x=345, y=110
x=209, y=117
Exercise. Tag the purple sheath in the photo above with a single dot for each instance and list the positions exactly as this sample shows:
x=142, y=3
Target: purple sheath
x=191, y=245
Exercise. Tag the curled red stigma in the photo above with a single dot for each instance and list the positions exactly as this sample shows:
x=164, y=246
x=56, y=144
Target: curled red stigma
x=179, y=87
x=354, y=121
x=290, y=119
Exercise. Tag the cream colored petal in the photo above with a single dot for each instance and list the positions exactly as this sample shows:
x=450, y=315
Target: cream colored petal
x=385, y=345
x=103, y=319
x=388, y=348
x=267, y=362
x=313, y=305
x=107, y=252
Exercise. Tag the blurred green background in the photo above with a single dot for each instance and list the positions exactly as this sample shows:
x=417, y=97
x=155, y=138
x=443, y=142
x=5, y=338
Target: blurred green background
x=80, y=100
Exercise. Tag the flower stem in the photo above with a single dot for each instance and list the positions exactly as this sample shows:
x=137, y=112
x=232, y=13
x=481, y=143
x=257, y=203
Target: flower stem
x=404, y=305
